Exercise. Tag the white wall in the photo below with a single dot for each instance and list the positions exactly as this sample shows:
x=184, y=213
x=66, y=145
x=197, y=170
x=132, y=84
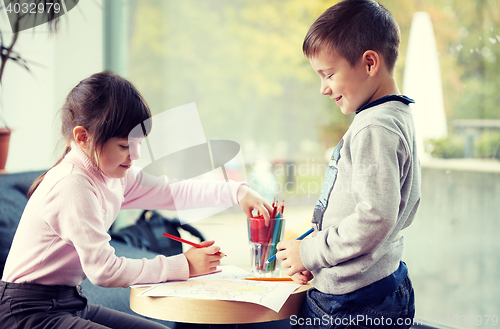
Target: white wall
x=30, y=102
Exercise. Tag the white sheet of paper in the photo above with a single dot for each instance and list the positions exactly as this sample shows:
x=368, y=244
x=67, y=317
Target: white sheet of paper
x=227, y=272
x=227, y=285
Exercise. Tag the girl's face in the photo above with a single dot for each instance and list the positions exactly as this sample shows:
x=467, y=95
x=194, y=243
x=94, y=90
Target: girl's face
x=117, y=156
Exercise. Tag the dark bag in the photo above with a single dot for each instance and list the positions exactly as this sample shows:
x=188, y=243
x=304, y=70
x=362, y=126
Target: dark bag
x=147, y=233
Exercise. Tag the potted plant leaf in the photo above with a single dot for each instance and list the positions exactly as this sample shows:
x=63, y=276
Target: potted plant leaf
x=24, y=15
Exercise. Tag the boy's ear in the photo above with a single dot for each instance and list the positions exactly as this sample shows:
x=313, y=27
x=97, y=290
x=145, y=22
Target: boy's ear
x=372, y=62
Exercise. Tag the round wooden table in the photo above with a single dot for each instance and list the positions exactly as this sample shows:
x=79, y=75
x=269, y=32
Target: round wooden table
x=205, y=311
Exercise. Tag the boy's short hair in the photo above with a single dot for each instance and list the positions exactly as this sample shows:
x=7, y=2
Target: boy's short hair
x=352, y=27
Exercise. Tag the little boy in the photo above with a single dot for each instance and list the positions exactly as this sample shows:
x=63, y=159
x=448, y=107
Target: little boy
x=372, y=186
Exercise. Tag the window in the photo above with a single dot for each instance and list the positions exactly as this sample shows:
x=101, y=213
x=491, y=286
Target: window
x=241, y=63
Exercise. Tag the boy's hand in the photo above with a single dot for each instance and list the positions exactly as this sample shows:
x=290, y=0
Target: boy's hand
x=302, y=277
x=203, y=260
x=250, y=200
x=289, y=255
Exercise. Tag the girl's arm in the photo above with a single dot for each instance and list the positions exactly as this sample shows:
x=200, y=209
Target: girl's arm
x=145, y=191
x=250, y=200
x=75, y=214
x=203, y=260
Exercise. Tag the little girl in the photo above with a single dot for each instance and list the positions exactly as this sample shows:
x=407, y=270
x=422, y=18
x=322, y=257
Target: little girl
x=62, y=236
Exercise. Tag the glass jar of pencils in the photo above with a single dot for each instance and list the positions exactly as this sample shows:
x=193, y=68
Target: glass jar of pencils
x=263, y=241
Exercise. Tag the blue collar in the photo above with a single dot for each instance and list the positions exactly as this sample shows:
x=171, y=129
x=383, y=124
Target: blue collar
x=388, y=98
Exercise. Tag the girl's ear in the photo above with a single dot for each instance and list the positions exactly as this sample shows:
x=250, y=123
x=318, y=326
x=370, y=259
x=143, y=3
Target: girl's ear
x=372, y=62
x=81, y=136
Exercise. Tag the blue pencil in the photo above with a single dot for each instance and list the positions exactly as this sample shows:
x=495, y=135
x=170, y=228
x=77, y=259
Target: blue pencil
x=276, y=236
x=273, y=257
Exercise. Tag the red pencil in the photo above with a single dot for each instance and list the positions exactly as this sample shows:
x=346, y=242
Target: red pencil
x=176, y=238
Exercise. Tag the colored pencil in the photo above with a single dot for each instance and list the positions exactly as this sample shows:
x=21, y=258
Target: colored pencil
x=305, y=234
x=274, y=231
x=176, y=238
x=299, y=238
x=275, y=238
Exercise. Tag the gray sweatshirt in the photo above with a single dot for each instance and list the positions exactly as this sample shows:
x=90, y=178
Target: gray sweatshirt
x=370, y=193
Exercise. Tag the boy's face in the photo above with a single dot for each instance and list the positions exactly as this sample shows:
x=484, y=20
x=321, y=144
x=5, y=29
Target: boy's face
x=349, y=86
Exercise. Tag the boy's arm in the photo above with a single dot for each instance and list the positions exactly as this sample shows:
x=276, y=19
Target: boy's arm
x=289, y=254
x=377, y=201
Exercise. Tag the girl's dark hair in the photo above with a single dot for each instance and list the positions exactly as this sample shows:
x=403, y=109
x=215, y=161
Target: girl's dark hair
x=352, y=27
x=107, y=106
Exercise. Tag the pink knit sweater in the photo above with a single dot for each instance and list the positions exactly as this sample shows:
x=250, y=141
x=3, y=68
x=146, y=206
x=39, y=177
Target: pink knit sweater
x=62, y=236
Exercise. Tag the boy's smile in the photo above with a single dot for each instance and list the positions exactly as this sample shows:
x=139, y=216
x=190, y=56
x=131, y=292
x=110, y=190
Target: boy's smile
x=350, y=87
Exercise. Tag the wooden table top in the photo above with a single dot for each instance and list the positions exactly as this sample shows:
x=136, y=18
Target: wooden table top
x=203, y=311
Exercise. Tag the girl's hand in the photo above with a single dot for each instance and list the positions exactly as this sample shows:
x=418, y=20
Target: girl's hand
x=203, y=260
x=302, y=277
x=289, y=254
x=250, y=200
